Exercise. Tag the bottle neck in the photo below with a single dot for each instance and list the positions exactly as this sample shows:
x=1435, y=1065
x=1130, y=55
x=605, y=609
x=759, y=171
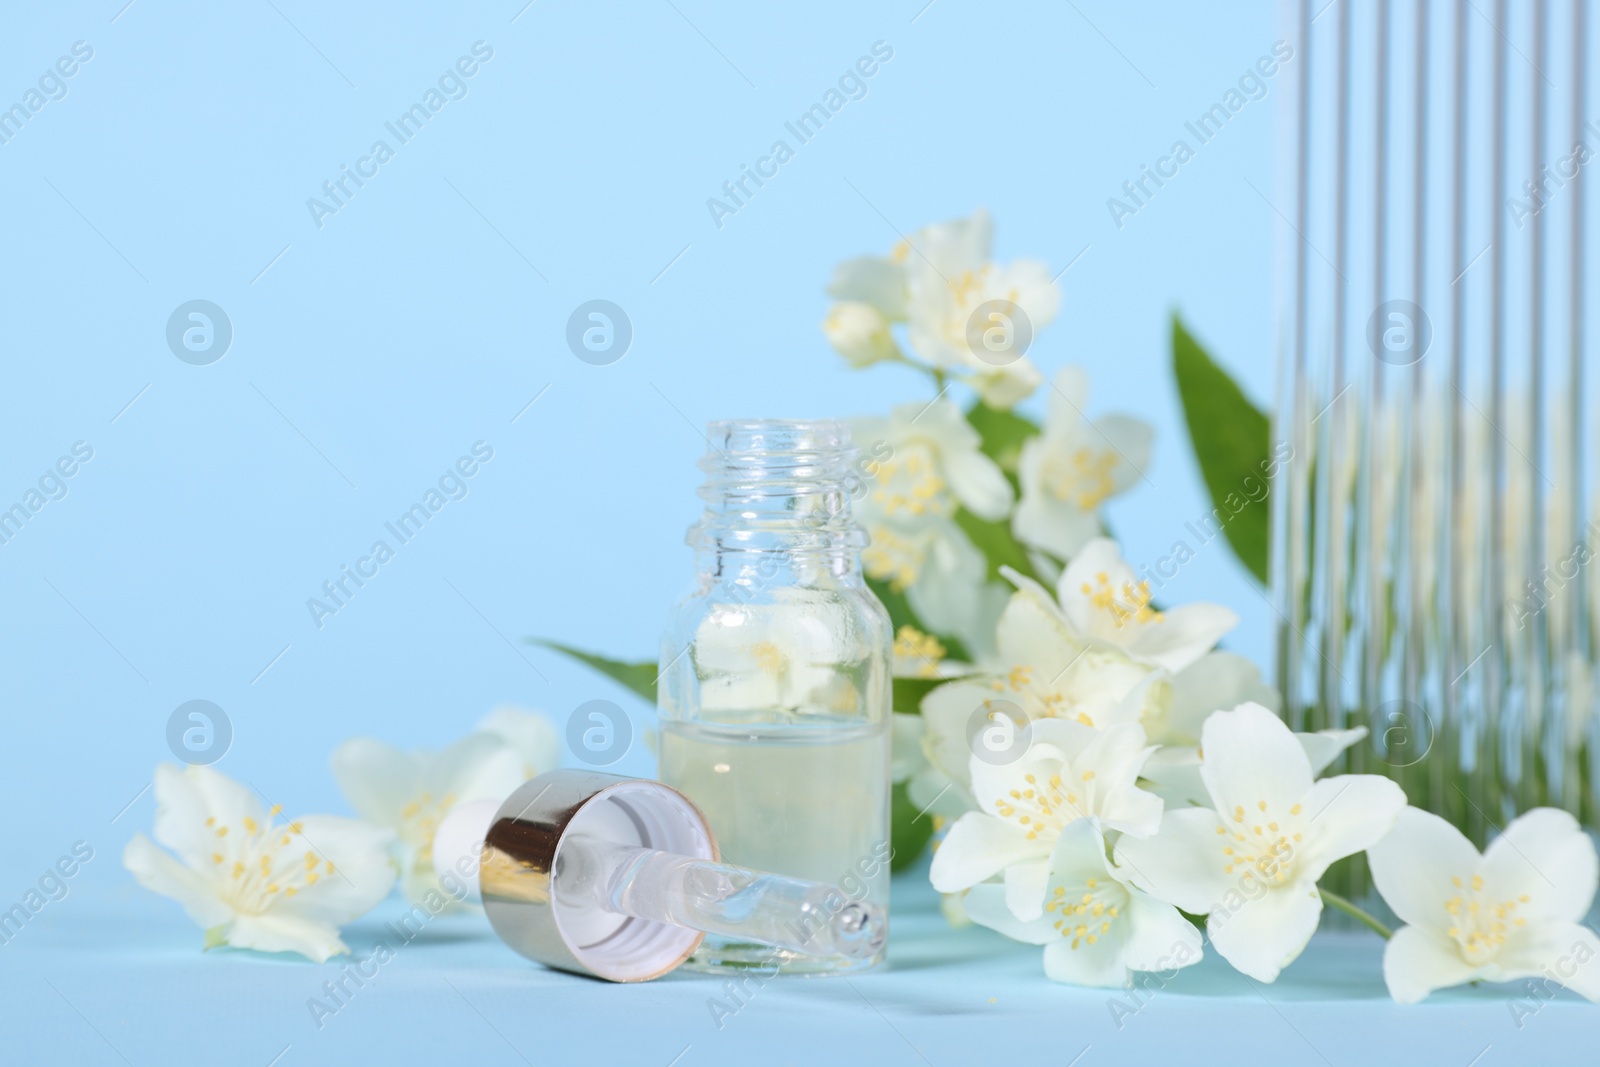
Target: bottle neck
x=777, y=497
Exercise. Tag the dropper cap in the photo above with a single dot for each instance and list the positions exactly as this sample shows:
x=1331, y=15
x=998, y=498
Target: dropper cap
x=618, y=877
x=516, y=850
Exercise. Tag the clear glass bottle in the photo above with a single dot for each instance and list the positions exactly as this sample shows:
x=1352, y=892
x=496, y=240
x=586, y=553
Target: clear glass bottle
x=774, y=691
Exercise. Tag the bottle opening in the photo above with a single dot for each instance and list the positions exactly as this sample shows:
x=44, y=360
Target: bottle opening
x=779, y=485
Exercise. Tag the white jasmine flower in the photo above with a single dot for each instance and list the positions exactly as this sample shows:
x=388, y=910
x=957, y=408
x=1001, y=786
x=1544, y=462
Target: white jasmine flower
x=942, y=574
x=780, y=654
x=1097, y=927
x=949, y=278
x=1515, y=911
x=936, y=463
x=534, y=737
x=860, y=333
x=1252, y=864
x=934, y=466
x=1003, y=388
x=250, y=881
x=1173, y=773
x=1069, y=772
x=919, y=655
x=878, y=282
x=935, y=281
x=939, y=782
x=1325, y=746
x=1052, y=673
x=408, y=793
x=1218, y=681
x=954, y=908
x=1040, y=670
x=1073, y=466
x=1101, y=598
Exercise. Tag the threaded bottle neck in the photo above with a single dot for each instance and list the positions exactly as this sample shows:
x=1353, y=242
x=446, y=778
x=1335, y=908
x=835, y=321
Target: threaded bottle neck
x=775, y=485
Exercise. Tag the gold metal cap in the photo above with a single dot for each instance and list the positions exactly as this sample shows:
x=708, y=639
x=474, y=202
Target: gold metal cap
x=522, y=852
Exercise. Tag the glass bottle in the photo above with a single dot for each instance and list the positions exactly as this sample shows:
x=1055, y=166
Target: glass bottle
x=774, y=691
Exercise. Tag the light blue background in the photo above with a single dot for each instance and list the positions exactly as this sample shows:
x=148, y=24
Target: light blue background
x=370, y=353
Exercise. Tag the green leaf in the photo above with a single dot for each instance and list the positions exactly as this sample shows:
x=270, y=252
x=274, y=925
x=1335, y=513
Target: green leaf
x=998, y=546
x=639, y=677
x=1232, y=442
x=909, y=830
x=1002, y=434
x=908, y=693
x=895, y=602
